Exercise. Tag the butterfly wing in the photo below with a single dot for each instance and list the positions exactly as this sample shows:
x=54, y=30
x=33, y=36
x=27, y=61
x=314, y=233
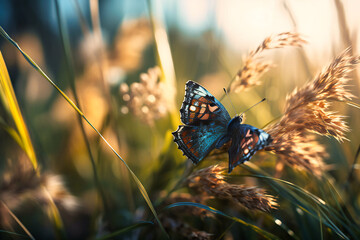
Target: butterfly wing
x=246, y=140
x=199, y=105
x=206, y=122
x=196, y=141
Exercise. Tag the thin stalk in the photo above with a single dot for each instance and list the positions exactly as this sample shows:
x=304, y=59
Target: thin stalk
x=137, y=181
x=351, y=172
x=71, y=75
x=17, y=220
x=304, y=58
x=102, y=63
x=53, y=211
x=114, y=110
x=345, y=34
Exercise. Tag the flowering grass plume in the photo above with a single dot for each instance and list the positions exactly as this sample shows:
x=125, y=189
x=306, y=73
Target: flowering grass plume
x=253, y=69
x=210, y=182
x=21, y=183
x=147, y=99
x=307, y=110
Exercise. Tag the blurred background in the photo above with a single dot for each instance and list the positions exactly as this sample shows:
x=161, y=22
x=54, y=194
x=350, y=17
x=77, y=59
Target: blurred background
x=95, y=50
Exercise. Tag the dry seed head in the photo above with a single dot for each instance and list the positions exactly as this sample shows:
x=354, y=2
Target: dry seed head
x=308, y=107
x=280, y=40
x=300, y=150
x=55, y=186
x=210, y=181
x=21, y=183
x=253, y=69
x=147, y=99
x=307, y=110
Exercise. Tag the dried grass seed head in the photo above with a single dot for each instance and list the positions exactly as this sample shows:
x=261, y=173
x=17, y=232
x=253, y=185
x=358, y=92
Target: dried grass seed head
x=21, y=183
x=299, y=150
x=253, y=68
x=210, y=181
x=147, y=99
x=307, y=111
x=309, y=106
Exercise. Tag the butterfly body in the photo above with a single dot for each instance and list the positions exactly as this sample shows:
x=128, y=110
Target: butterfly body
x=208, y=125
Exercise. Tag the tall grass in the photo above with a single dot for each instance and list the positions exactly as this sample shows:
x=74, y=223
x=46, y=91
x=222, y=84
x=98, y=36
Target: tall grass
x=127, y=97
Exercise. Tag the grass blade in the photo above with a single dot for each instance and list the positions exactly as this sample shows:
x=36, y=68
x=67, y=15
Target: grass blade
x=13, y=233
x=125, y=230
x=137, y=181
x=263, y=233
x=22, y=135
x=328, y=214
x=12, y=132
x=71, y=75
x=9, y=100
x=18, y=221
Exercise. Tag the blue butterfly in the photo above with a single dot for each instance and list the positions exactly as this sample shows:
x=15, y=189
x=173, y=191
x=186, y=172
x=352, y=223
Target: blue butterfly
x=208, y=125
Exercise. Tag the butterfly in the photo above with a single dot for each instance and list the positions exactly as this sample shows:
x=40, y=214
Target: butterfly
x=208, y=125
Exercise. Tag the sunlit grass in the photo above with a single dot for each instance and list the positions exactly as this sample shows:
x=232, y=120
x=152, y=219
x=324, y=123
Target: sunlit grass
x=127, y=97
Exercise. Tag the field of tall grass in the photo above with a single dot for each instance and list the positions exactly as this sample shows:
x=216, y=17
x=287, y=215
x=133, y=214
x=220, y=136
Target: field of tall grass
x=87, y=150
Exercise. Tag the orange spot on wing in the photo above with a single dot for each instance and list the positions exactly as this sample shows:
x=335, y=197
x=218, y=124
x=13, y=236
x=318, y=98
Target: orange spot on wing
x=183, y=134
x=249, y=141
x=186, y=139
x=205, y=116
x=204, y=100
x=255, y=140
x=189, y=145
x=213, y=108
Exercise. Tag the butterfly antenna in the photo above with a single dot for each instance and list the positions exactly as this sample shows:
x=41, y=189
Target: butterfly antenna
x=253, y=106
x=226, y=93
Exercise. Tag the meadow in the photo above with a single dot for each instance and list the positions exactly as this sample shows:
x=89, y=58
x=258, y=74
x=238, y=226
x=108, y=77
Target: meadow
x=86, y=143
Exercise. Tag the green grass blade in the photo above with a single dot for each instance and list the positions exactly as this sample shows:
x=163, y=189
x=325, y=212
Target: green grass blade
x=9, y=99
x=321, y=205
x=37, y=68
x=225, y=231
x=328, y=213
x=22, y=134
x=126, y=229
x=14, y=234
x=137, y=181
x=18, y=221
x=71, y=75
x=12, y=132
x=263, y=233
